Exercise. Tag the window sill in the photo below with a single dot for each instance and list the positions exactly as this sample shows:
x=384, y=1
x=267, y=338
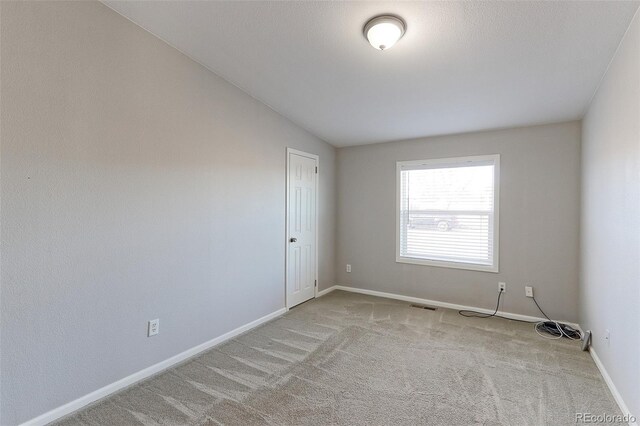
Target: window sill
x=453, y=265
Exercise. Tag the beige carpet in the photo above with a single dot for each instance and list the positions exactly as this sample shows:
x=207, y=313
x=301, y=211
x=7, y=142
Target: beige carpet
x=349, y=359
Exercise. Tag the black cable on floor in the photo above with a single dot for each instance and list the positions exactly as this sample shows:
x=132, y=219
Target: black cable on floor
x=553, y=328
x=476, y=314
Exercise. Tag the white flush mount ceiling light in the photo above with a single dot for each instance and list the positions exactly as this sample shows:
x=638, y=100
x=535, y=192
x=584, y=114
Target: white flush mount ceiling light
x=384, y=31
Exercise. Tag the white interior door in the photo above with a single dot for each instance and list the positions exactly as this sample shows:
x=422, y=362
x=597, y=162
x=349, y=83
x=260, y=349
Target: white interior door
x=301, y=226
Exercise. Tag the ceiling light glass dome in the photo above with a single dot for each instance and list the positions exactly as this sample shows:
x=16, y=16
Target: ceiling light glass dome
x=384, y=31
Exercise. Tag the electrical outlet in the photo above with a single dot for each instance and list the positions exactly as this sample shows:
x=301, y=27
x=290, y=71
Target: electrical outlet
x=528, y=291
x=502, y=287
x=348, y=268
x=153, y=328
x=607, y=337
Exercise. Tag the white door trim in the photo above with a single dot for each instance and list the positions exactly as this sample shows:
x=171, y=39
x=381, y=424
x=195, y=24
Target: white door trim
x=286, y=239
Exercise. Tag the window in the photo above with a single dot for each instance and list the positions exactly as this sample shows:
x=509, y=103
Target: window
x=448, y=212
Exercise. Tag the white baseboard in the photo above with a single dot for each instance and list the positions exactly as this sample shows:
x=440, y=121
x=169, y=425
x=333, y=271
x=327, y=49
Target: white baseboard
x=326, y=291
x=83, y=401
x=611, y=385
x=438, y=303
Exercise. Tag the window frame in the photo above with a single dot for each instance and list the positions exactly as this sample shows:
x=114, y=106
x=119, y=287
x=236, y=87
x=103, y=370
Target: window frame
x=495, y=158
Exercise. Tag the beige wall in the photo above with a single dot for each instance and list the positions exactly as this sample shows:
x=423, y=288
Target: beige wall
x=539, y=201
x=610, y=243
x=135, y=185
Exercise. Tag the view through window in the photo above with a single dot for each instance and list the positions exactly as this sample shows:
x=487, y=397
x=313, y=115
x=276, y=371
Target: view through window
x=448, y=212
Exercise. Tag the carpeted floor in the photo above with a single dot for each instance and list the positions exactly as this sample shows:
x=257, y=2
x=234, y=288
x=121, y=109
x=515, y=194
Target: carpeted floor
x=350, y=359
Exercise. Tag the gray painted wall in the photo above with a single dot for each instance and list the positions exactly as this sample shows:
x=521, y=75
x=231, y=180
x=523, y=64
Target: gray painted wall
x=610, y=243
x=539, y=201
x=135, y=185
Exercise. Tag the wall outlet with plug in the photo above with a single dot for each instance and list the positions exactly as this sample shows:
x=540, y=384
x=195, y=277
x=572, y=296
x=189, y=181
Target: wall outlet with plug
x=153, y=327
x=502, y=287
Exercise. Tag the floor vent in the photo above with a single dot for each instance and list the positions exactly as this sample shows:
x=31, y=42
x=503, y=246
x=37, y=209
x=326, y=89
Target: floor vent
x=431, y=308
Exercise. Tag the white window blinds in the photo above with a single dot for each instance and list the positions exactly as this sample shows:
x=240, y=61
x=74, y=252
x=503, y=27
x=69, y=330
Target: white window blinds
x=448, y=212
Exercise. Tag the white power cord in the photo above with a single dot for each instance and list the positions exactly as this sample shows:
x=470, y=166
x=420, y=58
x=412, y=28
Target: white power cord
x=560, y=330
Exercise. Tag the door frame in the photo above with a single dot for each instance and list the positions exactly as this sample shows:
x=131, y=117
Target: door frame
x=286, y=231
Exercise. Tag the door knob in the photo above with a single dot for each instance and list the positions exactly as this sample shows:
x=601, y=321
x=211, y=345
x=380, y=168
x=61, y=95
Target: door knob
x=293, y=240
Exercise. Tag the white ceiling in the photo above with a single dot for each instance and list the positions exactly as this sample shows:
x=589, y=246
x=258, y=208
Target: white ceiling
x=461, y=66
